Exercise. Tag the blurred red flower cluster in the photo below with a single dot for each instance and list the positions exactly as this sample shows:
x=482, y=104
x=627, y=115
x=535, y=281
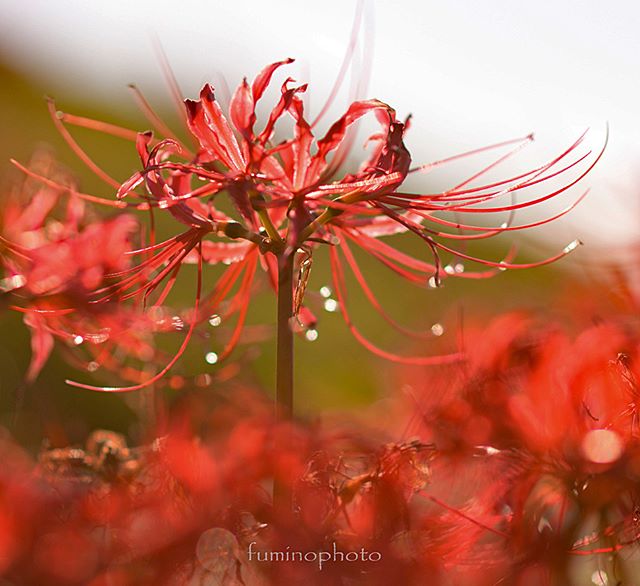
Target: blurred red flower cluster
x=520, y=466
x=515, y=460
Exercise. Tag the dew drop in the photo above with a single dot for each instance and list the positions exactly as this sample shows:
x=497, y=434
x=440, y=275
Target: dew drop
x=325, y=292
x=311, y=335
x=449, y=270
x=459, y=268
x=437, y=329
x=177, y=323
x=330, y=305
x=77, y=340
x=215, y=321
x=333, y=239
x=93, y=366
x=502, y=267
x=571, y=246
x=433, y=283
x=211, y=357
x=504, y=225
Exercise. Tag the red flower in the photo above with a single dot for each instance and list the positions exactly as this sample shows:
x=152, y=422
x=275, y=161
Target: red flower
x=55, y=255
x=289, y=196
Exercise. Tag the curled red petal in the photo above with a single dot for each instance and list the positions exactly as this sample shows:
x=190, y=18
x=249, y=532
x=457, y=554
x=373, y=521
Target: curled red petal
x=337, y=132
x=263, y=79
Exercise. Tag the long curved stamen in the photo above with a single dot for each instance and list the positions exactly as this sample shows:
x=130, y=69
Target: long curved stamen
x=338, y=281
x=98, y=126
x=169, y=365
x=244, y=294
x=430, y=166
x=77, y=149
x=355, y=269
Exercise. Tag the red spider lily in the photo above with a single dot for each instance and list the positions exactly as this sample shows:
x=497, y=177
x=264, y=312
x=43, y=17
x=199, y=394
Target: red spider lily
x=54, y=256
x=559, y=416
x=530, y=506
x=289, y=196
x=186, y=508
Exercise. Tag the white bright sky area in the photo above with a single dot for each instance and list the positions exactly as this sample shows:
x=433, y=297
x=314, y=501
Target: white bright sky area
x=471, y=73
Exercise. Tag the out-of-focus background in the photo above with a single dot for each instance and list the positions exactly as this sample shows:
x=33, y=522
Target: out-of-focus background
x=470, y=73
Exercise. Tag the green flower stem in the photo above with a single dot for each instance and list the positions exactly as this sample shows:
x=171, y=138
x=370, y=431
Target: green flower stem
x=282, y=497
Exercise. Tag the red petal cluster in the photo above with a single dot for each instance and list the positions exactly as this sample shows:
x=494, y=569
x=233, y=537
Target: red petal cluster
x=289, y=195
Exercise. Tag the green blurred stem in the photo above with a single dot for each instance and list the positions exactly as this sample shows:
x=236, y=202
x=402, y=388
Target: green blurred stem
x=284, y=367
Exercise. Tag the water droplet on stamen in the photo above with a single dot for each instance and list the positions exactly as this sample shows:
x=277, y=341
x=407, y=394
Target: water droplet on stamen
x=325, y=292
x=77, y=340
x=433, y=283
x=330, y=305
x=211, y=357
x=215, y=321
x=502, y=267
x=449, y=270
x=311, y=335
x=177, y=323
x=571, y=246
x=504, y=225
x=437, y=329
x=93, y=366
x=459, y=268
